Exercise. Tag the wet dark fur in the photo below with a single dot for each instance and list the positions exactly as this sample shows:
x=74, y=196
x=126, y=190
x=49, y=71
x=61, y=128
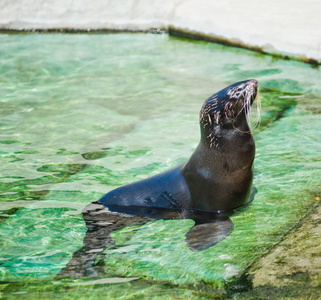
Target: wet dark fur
x=219, y=174
x=215, y=180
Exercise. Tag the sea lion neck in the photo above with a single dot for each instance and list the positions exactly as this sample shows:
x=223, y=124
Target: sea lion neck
x=222, y=138
x=218, y=135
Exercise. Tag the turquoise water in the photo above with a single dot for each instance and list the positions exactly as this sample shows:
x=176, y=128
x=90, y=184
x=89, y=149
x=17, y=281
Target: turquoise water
x=83, y=114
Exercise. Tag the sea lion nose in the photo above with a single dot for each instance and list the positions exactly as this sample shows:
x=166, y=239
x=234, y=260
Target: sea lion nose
x=254, y=82
x=252, y=85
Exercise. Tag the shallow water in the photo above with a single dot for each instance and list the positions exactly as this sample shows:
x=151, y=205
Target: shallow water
x=83, y=114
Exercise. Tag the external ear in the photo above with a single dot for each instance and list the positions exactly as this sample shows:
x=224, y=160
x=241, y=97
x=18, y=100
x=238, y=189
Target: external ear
x=203, y=236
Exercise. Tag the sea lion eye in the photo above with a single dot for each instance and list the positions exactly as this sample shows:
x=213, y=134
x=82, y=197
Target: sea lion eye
x=237, y=93
x=230, y=91
x=234, y=93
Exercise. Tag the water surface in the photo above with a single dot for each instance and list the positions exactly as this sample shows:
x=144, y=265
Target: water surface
x=83, y=114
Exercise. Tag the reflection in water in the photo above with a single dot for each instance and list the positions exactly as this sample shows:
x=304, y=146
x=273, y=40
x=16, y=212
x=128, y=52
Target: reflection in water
x=209, y=229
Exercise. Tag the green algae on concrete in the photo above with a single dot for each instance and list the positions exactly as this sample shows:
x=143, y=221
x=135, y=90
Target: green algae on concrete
x=87, y=289
x=106, y=110
x=291, y=270
x=298, y=254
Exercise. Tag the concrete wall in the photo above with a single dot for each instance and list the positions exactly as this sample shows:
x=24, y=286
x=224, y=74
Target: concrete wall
x=287, y=27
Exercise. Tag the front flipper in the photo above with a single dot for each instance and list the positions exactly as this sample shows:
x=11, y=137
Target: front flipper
x=205, y=235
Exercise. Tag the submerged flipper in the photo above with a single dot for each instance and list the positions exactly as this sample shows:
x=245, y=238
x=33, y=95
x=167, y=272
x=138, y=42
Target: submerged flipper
x=210, y=228
x=205, y=235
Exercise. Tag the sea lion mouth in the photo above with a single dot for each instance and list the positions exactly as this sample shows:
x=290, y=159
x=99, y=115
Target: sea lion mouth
x=247, y=95
x=251, y=90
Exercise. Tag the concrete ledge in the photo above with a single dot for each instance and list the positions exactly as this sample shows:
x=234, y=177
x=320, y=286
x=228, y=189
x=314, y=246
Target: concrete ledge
x=288, y=28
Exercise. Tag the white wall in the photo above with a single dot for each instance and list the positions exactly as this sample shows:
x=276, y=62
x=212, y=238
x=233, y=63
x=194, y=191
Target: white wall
x=281, y=26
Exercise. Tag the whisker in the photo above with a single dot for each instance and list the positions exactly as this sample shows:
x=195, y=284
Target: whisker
x=257, y=121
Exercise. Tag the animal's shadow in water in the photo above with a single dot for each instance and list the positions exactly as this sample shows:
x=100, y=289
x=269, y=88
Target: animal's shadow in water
x=210, y=228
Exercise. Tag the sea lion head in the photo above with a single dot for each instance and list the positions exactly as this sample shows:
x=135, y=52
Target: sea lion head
x=227, y=109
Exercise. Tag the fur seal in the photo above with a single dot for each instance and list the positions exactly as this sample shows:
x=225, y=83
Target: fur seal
x=218, y=176
x=216, y=180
